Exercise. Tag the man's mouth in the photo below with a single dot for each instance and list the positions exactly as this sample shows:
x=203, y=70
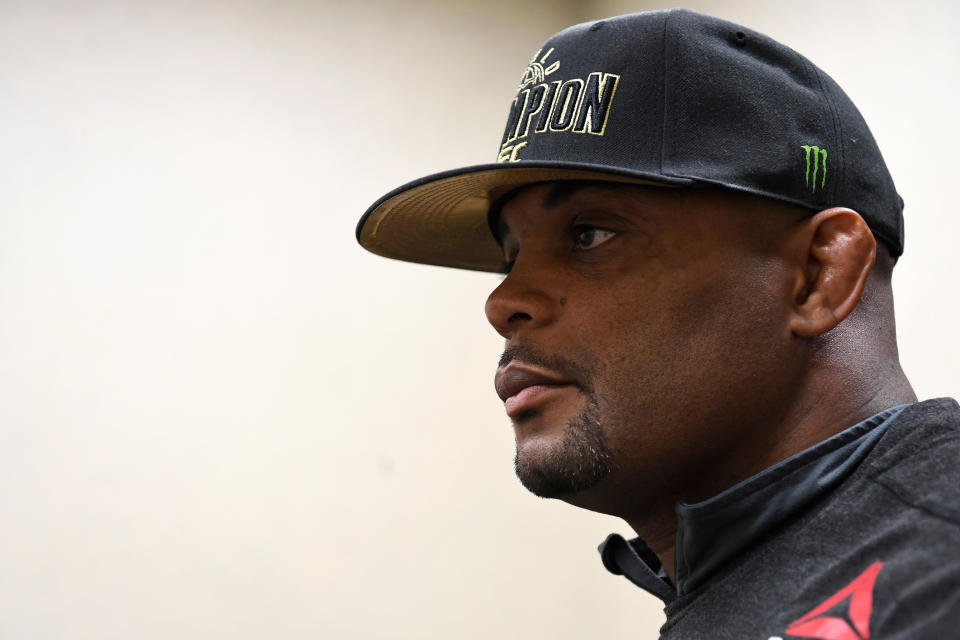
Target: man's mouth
x=521, y=386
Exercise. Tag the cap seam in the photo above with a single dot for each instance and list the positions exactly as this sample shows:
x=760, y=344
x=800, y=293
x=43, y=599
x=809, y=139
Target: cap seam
x=663, y=88
x=837, y=133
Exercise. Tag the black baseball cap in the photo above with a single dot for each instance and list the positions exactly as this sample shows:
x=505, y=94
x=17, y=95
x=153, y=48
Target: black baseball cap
x=671, y=98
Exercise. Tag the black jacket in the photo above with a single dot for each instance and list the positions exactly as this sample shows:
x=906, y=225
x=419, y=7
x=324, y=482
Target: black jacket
x=857, y=537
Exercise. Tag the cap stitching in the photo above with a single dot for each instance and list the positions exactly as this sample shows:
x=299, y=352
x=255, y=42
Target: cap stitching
x=663, y=91
x=838, y=137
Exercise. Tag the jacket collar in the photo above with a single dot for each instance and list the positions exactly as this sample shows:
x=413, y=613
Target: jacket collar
x=712, y=532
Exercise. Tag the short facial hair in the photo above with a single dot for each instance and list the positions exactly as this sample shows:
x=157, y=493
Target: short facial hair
x=577, y=462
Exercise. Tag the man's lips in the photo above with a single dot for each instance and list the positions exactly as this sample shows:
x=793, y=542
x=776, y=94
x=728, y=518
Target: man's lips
x=518, y=385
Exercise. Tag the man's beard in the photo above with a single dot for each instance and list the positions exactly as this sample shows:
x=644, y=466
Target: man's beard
x=577, y=462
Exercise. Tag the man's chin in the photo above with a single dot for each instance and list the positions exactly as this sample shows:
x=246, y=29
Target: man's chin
x=572, y=462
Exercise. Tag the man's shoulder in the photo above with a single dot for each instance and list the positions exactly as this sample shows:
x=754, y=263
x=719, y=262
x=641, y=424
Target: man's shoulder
x=878, y=553
x=918, y=460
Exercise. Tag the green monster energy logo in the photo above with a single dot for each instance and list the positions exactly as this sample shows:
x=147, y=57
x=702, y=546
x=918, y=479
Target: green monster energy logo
x=819, y=156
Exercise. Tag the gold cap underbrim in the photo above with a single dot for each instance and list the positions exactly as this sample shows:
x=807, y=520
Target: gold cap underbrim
x=442, y=219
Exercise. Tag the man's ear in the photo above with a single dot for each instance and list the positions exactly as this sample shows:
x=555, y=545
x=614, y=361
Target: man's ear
x=839, y=253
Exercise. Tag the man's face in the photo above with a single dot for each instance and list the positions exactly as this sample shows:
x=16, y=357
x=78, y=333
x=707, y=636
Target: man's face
x=645, y=338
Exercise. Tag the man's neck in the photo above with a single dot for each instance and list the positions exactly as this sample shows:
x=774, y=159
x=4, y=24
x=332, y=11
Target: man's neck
x=809, y=422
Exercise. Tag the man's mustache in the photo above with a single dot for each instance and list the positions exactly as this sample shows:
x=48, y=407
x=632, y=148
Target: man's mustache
x=566, y=368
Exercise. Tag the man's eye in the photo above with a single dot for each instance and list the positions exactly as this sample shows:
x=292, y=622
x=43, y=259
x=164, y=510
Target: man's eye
x=590, y=237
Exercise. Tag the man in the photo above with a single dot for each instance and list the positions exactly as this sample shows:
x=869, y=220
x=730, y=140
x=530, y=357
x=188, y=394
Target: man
x=698, y=233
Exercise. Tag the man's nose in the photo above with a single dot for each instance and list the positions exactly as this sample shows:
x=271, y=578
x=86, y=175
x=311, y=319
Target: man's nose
x=521, y=302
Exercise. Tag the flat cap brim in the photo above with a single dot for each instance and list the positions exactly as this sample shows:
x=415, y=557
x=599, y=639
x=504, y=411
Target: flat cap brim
x=442, y=219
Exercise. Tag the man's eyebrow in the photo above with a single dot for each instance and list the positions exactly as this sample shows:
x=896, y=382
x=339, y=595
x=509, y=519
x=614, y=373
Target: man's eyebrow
x=557, y=195
x=561, y=192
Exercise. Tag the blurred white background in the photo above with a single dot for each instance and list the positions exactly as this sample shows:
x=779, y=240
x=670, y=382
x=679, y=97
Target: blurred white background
x=221, y=418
